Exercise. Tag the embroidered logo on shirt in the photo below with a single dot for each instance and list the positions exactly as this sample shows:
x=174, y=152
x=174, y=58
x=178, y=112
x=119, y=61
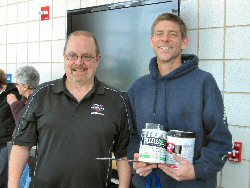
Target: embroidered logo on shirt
x=98, y=108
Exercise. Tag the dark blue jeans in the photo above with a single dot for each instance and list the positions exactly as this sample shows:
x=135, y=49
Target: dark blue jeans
x=3, y=167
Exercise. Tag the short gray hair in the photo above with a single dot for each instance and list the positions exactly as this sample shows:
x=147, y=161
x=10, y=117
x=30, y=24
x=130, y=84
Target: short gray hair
x=82, y=33
x=28, y=75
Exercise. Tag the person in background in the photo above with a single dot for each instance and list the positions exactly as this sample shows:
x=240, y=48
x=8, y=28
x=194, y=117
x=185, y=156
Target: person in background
x=7, y=125
x=73, y=121
x=27, y=80
x=180, y=96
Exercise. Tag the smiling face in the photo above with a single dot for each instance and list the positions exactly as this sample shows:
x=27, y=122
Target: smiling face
x=167, y=42
x=81, y=71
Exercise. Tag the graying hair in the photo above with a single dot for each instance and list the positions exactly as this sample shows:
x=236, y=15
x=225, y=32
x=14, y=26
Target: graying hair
x=82, y=33
x=173, y=18
x=28, y=75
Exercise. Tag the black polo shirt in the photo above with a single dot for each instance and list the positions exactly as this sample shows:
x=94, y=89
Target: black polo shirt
x=70, y=135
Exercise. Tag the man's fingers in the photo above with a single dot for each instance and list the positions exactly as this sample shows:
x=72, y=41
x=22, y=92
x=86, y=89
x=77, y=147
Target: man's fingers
x=141, y=168
x=150, y=167
x=146, y=170
x=137, y=165
x=178, y=158
x=144, y=174
x=136, y=156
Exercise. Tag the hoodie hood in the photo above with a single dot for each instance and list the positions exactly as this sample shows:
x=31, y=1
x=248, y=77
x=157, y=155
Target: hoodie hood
x=189, y=63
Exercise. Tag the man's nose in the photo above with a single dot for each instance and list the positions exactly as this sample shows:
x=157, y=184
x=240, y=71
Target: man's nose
x=79, y=60
x=165, y=37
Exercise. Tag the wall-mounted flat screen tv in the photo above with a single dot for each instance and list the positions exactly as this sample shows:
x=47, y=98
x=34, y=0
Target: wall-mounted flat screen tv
x=123, y=33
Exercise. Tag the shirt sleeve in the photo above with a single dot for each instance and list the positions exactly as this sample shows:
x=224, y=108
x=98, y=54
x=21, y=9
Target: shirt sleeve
x=134, y=142
x=121, y=142
x=215, y=151
x=26, y=134
x=16, y=107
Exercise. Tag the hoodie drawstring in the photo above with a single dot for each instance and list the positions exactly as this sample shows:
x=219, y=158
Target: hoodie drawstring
x=157, y=180
x=165, y=105
x=154, y=107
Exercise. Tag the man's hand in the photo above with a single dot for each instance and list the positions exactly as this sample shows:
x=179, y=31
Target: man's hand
x=185, y=171
x=141, y=168
x=11, y=98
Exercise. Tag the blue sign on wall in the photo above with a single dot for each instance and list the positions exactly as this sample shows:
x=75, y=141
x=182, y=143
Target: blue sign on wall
x=9, y=78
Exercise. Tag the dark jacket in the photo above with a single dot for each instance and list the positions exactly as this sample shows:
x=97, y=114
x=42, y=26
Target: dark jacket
x=7, y=122
x=186, y=99
x=16, y=108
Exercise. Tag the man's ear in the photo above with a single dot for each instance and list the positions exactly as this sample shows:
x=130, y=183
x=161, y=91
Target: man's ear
x=151, y=44
x=25, y=87
x=185, y=43
x=99, y=58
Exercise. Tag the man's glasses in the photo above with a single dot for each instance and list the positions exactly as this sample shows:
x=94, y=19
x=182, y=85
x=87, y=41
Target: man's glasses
x=74, y=57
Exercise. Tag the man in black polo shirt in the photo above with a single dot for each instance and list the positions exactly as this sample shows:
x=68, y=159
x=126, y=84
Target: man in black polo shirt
x=73, y=121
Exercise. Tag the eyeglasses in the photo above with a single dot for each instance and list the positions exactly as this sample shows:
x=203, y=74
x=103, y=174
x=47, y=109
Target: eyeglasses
x=74, y=57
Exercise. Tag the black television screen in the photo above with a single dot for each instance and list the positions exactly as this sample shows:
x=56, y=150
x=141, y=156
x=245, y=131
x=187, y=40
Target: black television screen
x=123, y=34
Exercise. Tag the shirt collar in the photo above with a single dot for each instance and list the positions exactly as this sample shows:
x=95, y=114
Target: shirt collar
x=60, y=86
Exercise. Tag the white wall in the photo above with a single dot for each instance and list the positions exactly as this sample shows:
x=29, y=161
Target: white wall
x=220, y=36
x=219, y=31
